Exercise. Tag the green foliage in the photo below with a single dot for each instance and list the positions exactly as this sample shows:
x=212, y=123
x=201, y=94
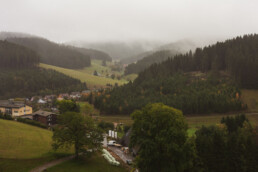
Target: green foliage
x=147, y=61
x=54, y=54
x=68, y=106
x=161, y=134
x=237, y=56
x=31, y=122
x=189, y=94
x=76, y=130
x=126, y=128
x=16, y=56
x=5, y=116
x=222, y=149
x=233, y=123
x=37, y=81
x=106, y=125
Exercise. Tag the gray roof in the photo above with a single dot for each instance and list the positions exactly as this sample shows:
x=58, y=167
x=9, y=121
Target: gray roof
x=11, y=104
x=43, y=113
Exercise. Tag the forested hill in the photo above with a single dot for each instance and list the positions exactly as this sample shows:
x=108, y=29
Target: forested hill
x=147, y=61
x=94, y=54
x=16, y=56
x=20, y=75
x=238, y=57
x=206, y=81
x=54, y=54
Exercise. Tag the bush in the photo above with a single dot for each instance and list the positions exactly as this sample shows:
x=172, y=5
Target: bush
x=5, y=116
x=106, y=125
x=31, y=122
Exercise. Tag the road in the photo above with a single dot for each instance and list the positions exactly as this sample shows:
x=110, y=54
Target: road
x=120, y=153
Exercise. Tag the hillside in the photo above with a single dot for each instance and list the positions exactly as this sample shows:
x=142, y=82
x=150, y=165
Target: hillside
x=52, y=53
x=94, y=54
x=206, y=81
x=24, y=141
x=119, y=50
x=86, y=75
x=20, y=75
x=147, y=61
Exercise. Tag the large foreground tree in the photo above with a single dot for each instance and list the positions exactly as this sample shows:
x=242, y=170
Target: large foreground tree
x=160, y=132
x=76, y=130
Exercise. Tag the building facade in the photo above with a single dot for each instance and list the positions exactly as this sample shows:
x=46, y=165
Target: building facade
x=15, y=109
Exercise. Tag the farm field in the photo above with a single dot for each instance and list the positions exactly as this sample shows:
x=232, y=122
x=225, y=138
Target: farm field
x=95, y=163
x=86, y=74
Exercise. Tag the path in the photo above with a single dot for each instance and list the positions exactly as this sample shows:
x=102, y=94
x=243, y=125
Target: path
x=51, y=164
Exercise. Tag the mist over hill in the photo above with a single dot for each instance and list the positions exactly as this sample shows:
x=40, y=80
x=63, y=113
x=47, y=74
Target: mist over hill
x=119, y=50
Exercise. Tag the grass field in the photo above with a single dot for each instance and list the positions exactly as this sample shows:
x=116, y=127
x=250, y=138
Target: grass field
x=92, y=164
x=250, y=97
x=86, y=74
x=23, y=147
x=194, y=122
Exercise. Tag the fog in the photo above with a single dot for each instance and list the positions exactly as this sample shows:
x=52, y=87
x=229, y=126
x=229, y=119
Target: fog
x=130, y=20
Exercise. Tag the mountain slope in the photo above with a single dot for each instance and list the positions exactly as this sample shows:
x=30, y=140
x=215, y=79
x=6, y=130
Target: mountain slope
x=207, y=81
x=52, y=53
x=20, y=75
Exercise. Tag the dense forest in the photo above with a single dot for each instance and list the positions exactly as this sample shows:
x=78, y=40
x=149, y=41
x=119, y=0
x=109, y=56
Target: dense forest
x=54, y=54
x=192, y=95
x=147, y=61
x=20, y=75
x=15, y=56
x=94, y=54
x=204, y=82
x=238, y=57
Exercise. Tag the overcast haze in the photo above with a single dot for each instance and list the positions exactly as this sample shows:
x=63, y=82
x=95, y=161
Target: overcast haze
x=129, y=20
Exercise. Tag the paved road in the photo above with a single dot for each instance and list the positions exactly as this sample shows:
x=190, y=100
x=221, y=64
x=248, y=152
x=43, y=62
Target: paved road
x=51, y=164
x=120, y=153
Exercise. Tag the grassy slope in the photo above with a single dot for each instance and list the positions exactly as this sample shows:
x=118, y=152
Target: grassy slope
x=23, y=147
x=250, y=97
x=23, y=141
x=93, y=164
x=86, y=74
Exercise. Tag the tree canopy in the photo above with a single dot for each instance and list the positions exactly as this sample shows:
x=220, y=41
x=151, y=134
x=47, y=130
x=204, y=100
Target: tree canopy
x=160, y=132
x=76, y=130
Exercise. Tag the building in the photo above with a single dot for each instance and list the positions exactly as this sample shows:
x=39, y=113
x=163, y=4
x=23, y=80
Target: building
x=75, y=95
x=47, y=118
x=14, y=108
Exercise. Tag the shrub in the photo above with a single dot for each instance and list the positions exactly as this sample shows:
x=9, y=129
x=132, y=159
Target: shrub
x=31, y=122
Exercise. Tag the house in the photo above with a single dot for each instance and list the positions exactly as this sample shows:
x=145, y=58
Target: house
x=50, y=98
x=63, y=96
x=47, y=118
x=86, y=92
x=75, y=95
x=41, y=101
x=14, y=108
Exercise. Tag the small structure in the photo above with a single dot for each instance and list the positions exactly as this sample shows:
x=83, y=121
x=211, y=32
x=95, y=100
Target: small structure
x=14, y=108
x=47, y=118
x=75, y=95
x=41, y=101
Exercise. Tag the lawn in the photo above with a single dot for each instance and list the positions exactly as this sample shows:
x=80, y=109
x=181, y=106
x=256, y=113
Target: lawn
x=250, y=97
x=86, y=74
x=23, y=147
x=95, y=163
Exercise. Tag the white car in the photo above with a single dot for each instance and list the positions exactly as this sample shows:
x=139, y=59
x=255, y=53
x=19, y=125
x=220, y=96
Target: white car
x=111, y=143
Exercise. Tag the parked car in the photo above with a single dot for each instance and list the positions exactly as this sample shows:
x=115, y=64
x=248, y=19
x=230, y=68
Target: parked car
x=111, y=143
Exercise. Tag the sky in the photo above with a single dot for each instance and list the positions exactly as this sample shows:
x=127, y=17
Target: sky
x=129, y=20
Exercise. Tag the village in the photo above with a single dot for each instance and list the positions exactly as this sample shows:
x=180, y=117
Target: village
x=43, y=111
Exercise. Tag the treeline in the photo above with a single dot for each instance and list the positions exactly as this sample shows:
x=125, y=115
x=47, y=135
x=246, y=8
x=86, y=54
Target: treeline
x=147, y=61
x=189, y=93
x=54, y=54
x=16, y=56
x=94, y=54
x=238, y=57
x=36, y=81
